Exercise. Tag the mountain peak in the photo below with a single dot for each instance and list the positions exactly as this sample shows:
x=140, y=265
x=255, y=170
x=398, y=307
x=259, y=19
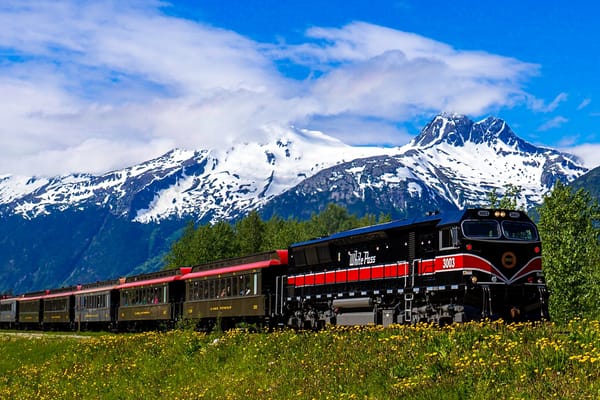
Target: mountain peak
x=457, y=130
x=445, y=127
x=451, y=116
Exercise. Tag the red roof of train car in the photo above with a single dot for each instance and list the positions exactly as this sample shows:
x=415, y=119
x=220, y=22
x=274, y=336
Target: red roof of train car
x=232, y=269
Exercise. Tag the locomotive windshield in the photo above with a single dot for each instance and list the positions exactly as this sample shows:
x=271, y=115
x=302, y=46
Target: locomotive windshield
x=490, y=229
x=519, y=230
x=482, y=228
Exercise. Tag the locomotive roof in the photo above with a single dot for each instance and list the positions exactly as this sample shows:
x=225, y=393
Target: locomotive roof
x=435, y=219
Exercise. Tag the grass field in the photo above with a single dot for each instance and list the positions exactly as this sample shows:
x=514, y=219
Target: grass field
x=489, y=360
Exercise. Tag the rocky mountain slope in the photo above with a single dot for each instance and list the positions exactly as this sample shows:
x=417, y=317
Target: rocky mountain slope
x=453, y=163
x=206, y=185
x=79, y=228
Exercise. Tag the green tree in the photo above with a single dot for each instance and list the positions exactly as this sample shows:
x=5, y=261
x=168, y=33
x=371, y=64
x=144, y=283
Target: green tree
x=331, y=220
x=279, y=233
x=250, y=234
x=509, y=199
x=571, y=253
x=202, y=244
x=220, y=242
x=207, y=243
x=181, y=250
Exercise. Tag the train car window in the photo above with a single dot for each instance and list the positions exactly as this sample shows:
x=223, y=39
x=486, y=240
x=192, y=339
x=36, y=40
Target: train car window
x=192, y=290
x=30, y=306
x=449, y=238
x=488, y=229
x=235, y=290
x=228, y=288
x=211, y=289
x=55, y=305
x=224, y=288
x=245, y=285
x=255, y=284
x=519, y=230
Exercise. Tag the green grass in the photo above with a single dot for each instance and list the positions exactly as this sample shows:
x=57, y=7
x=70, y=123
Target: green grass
x=469, y=361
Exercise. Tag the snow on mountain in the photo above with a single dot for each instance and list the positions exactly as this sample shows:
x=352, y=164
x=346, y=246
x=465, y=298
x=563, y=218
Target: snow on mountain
x=453, y=160
x=463, y=160
x=59, y=231
x=208, y=184
x=453, y=163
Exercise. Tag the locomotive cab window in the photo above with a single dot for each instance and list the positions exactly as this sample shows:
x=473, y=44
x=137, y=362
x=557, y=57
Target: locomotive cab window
x=519, y=230
x=481, y=229
x=449, y=238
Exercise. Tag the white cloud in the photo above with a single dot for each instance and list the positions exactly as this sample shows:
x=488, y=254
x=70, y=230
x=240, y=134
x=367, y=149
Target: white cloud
x=584, y=104
x=589, y=153
x=364, y=132
x=540, y=106
x=553, y=123
x=117, y=83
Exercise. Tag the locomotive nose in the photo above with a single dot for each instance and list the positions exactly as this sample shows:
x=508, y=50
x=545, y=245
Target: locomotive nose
x=509, y=260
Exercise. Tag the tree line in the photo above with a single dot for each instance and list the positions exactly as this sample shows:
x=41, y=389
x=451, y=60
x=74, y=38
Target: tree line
x=249, y=235
x=568, y=222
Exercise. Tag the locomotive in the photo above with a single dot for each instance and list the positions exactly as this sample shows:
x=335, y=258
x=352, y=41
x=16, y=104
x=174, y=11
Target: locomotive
x=460, y=266
x=442, y=268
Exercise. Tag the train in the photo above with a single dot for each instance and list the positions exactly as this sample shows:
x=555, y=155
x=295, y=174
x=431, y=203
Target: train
x=467, y=265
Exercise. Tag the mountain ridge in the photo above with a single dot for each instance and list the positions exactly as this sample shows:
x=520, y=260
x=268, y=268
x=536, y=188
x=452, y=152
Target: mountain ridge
x=185, y=182
x=80, y=227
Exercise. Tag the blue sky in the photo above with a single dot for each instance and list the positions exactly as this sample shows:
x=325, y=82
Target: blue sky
x=91, y=86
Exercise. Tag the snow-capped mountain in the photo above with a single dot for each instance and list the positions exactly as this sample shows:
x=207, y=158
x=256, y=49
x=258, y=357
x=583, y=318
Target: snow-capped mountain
x=453, y=163
x=80, y=228
x=205, y=184
x=453, y=160
x=463, y=161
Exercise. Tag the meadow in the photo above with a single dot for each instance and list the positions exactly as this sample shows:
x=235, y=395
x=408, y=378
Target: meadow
x=488, y=360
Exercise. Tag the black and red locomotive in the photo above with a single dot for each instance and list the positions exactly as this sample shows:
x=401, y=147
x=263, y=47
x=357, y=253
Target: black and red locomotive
x=455, y=267
x=460, y=266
